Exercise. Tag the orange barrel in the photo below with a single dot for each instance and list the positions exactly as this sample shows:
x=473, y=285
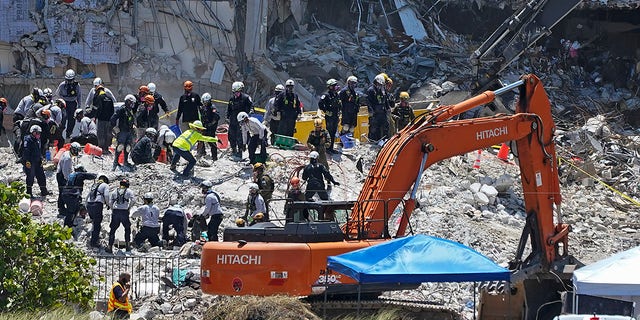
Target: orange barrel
x=58, y=155
x=162, y=157
x=223, y=140
x=90, y=149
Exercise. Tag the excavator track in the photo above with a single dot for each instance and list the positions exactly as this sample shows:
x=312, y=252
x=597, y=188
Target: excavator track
x=409, y=309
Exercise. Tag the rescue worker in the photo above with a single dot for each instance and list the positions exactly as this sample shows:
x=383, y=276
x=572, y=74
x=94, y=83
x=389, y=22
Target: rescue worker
x=165, y=138
x=330, y=105
x=295, y=192
x=47, y=125
x=188, y=107
x=55, y=126
x=150, y=214
x=69, y=90
x=123, y=122
x=253, y=130
x=318, y=140
x=144, y=112
x=174, y=218
x=212, y=209
x=32, y=161
x=271, y=117
x=378, y=108
x=146, y=150
x=48, y=96
x=185, y=142
x=403, y=113
x=350, y=106
x=72, y=195
x=315, y=173
x=255, y=203
x=119, y=307
x=103, y=101
x=210, y=118
x=239, y=102
x=97, y=198
x=92, y=93
x=85, y=130
x=4, y=104
x=289, y=107
x=265, y=185
x=25, y=104
x=158, y=104
x=122, y=199
x=64, y=169
x=391, y=102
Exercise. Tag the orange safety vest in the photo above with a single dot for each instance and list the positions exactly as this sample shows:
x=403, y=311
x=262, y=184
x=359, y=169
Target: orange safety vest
x=114, y=303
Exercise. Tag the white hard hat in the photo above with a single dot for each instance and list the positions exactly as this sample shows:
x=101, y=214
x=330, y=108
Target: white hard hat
x=352, y=79
x=150, y=131
x=242, y=116
x=169, y=137
x=290, y=82
x=152, y=87
x=70, y=74
x=47, y=92
x=206, y=184
x=253, y=186
x=206, y=96
x=279, y=88
x=76, y=146
x=35, y=128
x=237, y=86
x=130, y=97
x=314, y=155
x=97, y=81
x=148, y=196
x=164, y=127
x=332, y=82
x=78, y=112
x=379, y=79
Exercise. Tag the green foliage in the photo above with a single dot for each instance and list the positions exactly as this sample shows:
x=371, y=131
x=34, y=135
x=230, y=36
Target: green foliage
x=39, y=267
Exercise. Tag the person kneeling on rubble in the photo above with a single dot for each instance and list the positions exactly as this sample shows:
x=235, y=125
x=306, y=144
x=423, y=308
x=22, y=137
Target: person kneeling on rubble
x=146, y=150
x=72, y=195
x=174, y=218
x=150, y=214
x=184, y=143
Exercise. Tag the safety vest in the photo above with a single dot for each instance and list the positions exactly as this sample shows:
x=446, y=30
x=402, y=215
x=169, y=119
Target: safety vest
x=188, y=139
x=114, y=303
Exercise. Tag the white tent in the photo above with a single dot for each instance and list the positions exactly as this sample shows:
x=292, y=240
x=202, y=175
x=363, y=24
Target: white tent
x=616, y=277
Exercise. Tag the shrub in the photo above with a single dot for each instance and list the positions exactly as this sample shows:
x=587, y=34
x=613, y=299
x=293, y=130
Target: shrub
x=40, y=268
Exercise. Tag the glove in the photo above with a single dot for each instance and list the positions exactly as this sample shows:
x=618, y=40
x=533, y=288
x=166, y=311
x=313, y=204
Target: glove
x=28, y=165
x=335, y=183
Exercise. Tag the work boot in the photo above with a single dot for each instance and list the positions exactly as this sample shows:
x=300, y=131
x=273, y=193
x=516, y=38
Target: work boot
x=44, y=192
x=128, y=247
x=115, y=167
x=108, y=249
x=30, y=191
x=173, y=167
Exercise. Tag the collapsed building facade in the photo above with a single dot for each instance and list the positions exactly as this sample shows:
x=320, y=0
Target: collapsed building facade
x=213, y=43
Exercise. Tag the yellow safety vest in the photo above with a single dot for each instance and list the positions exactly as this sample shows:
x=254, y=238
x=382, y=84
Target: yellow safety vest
x=114, y=303
x=188, y=139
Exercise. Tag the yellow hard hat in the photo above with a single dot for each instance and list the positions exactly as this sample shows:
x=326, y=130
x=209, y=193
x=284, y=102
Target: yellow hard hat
x=240, y=222
x=259, y=216
x=317, y=122
x=404, y=95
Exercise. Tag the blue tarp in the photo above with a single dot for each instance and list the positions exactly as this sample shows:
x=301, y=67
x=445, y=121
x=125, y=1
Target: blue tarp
x=417, y=259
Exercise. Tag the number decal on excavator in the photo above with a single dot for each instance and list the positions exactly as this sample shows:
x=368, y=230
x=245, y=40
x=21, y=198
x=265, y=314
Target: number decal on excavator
x=328, y=278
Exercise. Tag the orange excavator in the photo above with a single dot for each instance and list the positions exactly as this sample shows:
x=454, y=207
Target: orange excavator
x=292, y=259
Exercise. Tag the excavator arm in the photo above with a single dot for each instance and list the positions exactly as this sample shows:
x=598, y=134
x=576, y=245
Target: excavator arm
x=431, y=138
x=514, y=36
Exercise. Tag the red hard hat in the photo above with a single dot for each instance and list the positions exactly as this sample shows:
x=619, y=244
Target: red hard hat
x=143, y=89
x=149, y=99
x=294, y=181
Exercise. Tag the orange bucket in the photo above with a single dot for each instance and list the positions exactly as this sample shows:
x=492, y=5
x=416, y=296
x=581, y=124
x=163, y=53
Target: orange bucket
x=90, y=149
x=223, y=140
